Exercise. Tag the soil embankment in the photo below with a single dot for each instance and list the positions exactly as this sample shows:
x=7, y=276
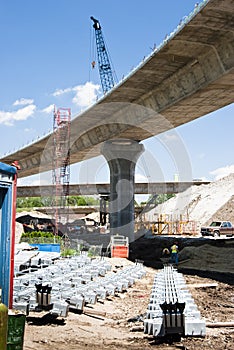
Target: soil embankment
x=204, y=256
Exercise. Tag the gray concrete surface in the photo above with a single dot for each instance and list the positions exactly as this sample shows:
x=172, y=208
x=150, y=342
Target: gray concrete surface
x=92, y=189
x=191, y=75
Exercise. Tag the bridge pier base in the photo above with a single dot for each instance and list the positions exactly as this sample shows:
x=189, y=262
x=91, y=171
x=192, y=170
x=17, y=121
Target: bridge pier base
x=122, y=155
x=103, y=211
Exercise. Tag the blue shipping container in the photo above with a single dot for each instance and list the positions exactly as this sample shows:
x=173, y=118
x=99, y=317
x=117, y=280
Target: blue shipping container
x=44, y=247
x=7, y=175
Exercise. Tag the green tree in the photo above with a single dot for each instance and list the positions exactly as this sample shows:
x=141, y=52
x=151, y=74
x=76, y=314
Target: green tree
x=161, y=198
x=31, y=202
x=81, y=201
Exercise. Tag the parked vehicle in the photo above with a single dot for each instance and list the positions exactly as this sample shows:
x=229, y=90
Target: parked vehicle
x=77, y=226
x=218, y=228
x=84, y=226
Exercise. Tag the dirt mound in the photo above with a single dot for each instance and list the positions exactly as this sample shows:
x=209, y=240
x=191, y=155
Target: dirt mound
x=208, y=258
x=200, y=203
x=211, y=257
x=226, y=212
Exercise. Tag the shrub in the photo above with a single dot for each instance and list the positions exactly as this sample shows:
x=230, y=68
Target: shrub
x=40, y=237
x=69, y=252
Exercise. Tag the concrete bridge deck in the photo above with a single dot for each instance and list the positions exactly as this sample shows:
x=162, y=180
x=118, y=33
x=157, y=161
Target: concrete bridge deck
x=190, y=75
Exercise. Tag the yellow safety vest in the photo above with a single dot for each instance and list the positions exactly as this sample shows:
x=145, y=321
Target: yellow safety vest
x=174, y=249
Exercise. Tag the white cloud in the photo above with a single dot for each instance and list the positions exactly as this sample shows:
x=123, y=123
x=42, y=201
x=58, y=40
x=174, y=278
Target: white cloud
x=201, y=156
x=85, y=94
x=33, y=180
x=23, y=102
x=28, y=130
x=60, y=92
x=169, y=136
x=8, y=118
x=222, y=172
x=141, y=178
x=48, y=110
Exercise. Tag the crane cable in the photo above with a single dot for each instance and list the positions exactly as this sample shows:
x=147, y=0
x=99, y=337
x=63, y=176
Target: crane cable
x=92, y=51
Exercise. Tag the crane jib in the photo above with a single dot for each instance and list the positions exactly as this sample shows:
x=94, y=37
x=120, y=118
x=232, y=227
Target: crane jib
x=105, y=71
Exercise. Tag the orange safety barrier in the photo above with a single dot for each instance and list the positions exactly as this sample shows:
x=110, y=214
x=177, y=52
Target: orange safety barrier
x=119, y=251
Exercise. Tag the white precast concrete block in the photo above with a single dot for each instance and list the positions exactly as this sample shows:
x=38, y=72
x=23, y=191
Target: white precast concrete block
x=21, y=306
x=169, y=290
x=111, y=288
x=194, y=327
x=157, y=326
x=60, y=308
x=90, y=297
x=77, y=302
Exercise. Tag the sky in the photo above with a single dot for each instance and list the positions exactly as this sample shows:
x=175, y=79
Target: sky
x=46, y=54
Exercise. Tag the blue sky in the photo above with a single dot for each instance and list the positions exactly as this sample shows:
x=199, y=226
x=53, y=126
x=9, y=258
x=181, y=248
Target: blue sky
x=46, y=55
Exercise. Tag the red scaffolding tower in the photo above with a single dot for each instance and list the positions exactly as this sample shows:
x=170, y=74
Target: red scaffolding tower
x=61, y=168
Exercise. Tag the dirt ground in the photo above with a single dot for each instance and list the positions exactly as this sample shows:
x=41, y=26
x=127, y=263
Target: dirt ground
x=115, y=322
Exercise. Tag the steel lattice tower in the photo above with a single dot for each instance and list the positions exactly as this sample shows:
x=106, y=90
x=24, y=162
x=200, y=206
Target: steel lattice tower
x=61, y=167
x=105, y=71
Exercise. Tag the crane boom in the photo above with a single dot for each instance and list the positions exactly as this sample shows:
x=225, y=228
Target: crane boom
x=105, y=71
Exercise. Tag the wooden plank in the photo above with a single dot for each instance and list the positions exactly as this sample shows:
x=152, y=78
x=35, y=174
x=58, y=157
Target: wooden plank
x=94, y=312
x=203, y=285
x=220, y=324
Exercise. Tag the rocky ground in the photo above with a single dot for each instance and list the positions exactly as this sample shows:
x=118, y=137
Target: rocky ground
x=115, y=323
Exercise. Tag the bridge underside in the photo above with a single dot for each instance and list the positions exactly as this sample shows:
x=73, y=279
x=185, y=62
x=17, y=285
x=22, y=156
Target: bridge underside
x=190, y=76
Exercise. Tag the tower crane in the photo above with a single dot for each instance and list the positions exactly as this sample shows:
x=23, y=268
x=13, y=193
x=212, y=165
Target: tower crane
x=104, y=66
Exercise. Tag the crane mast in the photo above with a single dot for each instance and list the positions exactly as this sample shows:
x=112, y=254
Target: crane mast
x=104, y=66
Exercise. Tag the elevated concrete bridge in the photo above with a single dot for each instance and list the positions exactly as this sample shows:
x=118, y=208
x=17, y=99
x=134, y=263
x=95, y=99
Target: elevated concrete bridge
x=104, y=189
x=189, y=75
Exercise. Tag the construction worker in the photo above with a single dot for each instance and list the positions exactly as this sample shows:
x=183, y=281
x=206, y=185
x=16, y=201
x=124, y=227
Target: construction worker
x=174, y=254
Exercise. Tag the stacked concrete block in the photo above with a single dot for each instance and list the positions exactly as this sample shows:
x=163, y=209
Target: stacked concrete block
x=171, y=308
x=29, y=261
x=71, y=283
x=77, y=302
x=60, y=308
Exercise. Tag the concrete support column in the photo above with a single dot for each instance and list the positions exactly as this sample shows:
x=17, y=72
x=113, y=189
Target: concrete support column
x=103, y=211
x=122, y=155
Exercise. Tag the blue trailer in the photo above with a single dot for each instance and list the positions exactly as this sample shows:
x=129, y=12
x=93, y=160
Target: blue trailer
x=8, y=176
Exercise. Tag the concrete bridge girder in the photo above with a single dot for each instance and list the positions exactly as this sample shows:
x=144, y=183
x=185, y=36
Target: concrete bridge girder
x=104, y=189
x=190, y=76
